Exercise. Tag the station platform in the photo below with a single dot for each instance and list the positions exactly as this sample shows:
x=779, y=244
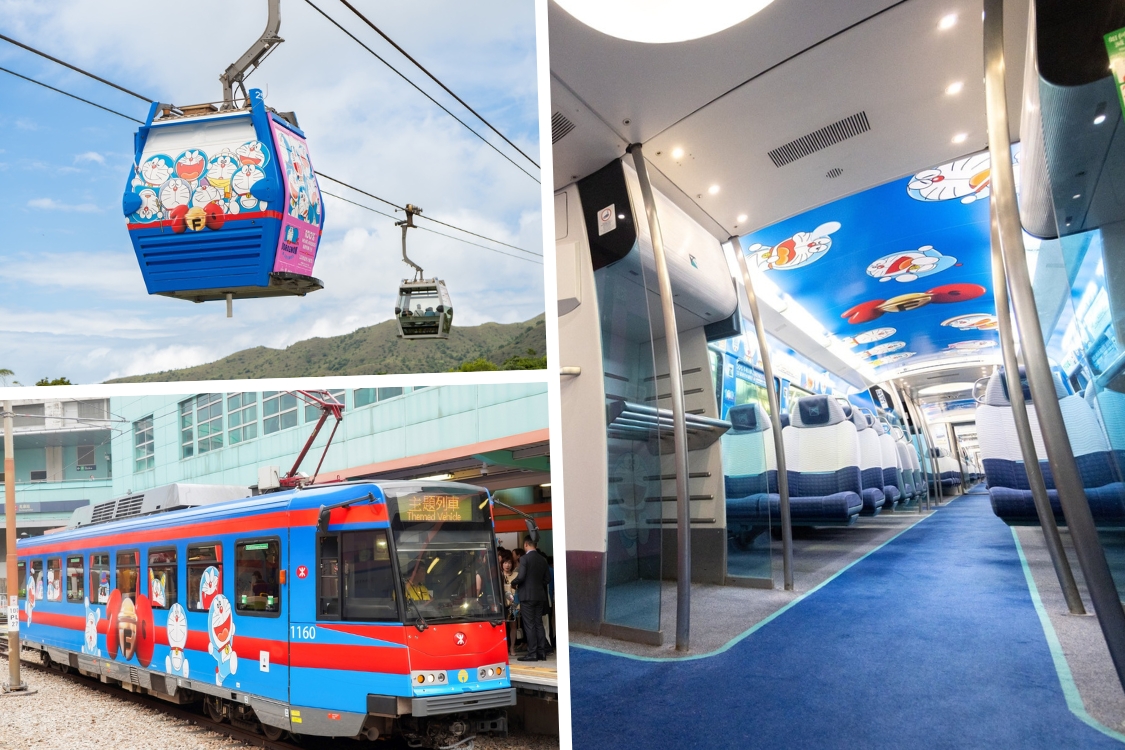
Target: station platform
x=542, y=676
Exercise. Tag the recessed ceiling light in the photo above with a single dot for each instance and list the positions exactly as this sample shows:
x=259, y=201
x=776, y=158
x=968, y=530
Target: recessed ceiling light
x=947, y=22
x=954, y=88
x=677, y=153
x=741, y=218
x=1077, y=196
x=713, y=190
x=1099, y=119
x=960, y=137
x=663, y=22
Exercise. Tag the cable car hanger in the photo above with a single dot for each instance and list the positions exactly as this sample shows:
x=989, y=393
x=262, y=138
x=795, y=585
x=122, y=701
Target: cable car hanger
x=424, y=310
x=222, y=200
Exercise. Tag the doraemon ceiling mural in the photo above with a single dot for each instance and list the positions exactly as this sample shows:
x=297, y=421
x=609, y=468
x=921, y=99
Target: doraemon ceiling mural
x=908, y=259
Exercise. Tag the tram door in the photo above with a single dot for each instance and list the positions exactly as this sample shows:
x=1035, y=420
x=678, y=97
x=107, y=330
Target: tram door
x=261, y=619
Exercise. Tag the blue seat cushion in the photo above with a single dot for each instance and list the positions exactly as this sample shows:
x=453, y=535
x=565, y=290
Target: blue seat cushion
x=1016, y=506
x=873, y=501
x=840, y=508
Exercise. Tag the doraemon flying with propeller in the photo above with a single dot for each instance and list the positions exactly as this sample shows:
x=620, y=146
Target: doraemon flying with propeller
x=176, y=662
x=90, y=641
x=220, y=631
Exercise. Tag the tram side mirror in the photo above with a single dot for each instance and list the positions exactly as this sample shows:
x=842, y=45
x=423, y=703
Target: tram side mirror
x=322, y=519
x=532, y=530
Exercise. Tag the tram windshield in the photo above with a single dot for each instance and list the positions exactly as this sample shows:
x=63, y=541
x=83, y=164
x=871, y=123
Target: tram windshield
x=446, y=552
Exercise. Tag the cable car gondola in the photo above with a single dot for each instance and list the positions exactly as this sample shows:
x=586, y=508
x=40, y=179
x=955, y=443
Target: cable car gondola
x=424, y=309
x=222, y=201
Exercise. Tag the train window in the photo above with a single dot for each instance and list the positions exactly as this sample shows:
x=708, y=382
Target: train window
x=256, y=567
x=368, y=574
x=99, y=577
x=328, y=577
x=21, y=579
x=128, y=571
x=162, y=587
x=204, y=575
x=36, y=579
x=54, y=579
x=75, y=579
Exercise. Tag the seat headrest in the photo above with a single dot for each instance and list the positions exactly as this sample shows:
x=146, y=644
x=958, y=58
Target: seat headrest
x=784, y=417
x=847, y=407
x=897, y=434
x=859, y=419
x=870, y=421
x=816, y=411
x=996, y=393
x=938, y=452
x=747, y=418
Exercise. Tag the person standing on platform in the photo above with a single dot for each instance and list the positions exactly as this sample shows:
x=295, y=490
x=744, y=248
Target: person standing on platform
x=531, y=586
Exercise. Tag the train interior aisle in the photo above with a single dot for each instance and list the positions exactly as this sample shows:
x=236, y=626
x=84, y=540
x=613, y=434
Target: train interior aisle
x=842, y=380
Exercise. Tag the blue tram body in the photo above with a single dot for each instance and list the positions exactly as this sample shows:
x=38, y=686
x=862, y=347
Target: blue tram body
x=343, y=610
x=223, y=202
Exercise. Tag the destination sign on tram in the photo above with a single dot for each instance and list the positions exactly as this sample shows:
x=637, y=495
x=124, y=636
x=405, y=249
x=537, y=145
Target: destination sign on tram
x=427, y=507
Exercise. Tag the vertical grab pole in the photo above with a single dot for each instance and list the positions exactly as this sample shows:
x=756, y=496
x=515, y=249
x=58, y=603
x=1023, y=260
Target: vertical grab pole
x=1072, y=496
x=916, y=417
x=899, y=405
x=1023, y=430
x=775, y=420
x=679, y=425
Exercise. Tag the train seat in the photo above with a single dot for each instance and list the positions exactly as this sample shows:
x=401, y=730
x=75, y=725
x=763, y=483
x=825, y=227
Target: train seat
x=948, y=470
x=822, y=461
x=892, y=479
x=1003, y=461
x=749, y=467
x=909, y=480
x=870, y=462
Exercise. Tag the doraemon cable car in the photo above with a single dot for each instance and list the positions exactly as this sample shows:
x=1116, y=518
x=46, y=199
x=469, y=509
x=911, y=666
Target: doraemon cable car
x=222, y=201
x=424, y=310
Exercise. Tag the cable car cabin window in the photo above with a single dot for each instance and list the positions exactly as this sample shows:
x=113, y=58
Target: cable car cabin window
x=279, y=411
x=21, y=579
x=368, y=575
x=35, y=580
x=256, y=574
x=446, y=553
x=162, y=589
x=128, y=573
x=75, y=579
x=54, y=579
x=99, y=578
x=328, y=578
x=204, y=575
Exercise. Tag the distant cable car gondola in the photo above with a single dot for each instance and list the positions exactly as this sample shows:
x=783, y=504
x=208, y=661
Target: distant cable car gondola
x=222, y=201
x=424, y=310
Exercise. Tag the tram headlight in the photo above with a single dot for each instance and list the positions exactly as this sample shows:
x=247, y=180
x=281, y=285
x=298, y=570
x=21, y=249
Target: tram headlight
x=490, y=672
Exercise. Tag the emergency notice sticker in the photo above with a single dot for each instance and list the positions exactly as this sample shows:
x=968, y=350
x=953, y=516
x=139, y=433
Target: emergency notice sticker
x=607, y=219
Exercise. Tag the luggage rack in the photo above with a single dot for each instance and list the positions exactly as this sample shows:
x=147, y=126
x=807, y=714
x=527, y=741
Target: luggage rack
x=626, y=420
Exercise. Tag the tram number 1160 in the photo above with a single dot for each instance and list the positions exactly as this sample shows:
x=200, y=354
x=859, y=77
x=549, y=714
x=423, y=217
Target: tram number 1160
x=302, y=632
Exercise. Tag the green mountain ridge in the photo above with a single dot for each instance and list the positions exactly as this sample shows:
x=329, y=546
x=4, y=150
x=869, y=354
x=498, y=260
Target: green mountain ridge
x=374, y=350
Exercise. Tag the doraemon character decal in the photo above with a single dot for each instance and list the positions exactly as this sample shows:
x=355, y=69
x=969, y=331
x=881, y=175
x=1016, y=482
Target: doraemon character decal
x=34, y=594
x=220, y=634
x=966, y=180
x=876, y=351
x=103, y=587
x=973, y=322
x=910, y=265
x=797, y=251
x=865, y=312
x=869, y=337
x=157, y=586
x=176, y=661
x=304, y=194
x=971, y=345
x=129, y=627
x=196, y=191
x=54, y=587
x=210, y=583
x=891, y=358
x=90, y=637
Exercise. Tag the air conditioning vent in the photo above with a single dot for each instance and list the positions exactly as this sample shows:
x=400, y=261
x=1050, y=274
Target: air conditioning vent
x=102, y=512
x=829, y=135
x=560, y=126
x=833, y=173
x=129, y=506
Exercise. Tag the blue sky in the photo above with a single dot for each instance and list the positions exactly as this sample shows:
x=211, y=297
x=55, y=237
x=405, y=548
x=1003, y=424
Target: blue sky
x=72, y=300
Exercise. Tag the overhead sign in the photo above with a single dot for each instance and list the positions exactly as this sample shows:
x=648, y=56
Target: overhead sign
x=1115, y=46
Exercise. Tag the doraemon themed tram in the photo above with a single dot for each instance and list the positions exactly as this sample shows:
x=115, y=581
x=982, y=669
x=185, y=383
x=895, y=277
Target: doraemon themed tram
x=359, y=610
x=222, y=200
x=840, y=317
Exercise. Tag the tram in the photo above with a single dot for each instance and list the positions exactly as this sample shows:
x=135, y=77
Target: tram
x=363, y=610
x=835, y=323
x=222, y=201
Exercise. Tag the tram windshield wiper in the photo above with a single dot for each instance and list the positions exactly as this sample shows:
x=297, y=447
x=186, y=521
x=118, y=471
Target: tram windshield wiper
x=420, y=623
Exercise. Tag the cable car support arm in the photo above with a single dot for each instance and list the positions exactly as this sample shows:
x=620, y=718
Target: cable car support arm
x=237, y=71
x=408, y=223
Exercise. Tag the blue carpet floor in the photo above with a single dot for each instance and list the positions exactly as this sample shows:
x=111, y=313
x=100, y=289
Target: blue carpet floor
x=931, y=641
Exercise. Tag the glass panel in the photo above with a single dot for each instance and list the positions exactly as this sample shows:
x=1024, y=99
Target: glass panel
x=99, y=578
x=363, y=396
x=242, y=417
x=128, y=571
x=35, y=579
x=279, y=411
x=187, y=431
x=312, y=412
x=257, y=586
x=209, y=421
x=369, y=582
x=162, y=578
x=143, y=444
x=75, y=579
x=54, y=579
x=21, y=579
x=328, y=577
x=204, y=575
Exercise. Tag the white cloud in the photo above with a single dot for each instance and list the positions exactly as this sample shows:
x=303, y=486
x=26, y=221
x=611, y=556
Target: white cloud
x=152, y=359
x=90, y=156
x=50, y=204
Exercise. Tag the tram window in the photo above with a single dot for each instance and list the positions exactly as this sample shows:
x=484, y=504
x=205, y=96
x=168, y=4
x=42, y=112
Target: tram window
x=128, y=571
x=256, y=568
x=54, y=579
x=328, y=577
x=162, y=588
x=746, y=392
x=21, y=579
x=279, y=411
x=369, y=584
x=99, y=577
x=37, y=578
x=75, y=579
x=202, y=586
